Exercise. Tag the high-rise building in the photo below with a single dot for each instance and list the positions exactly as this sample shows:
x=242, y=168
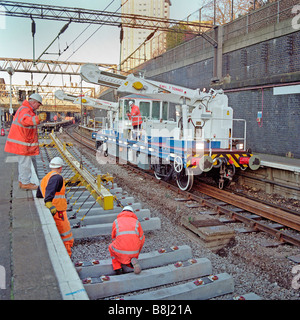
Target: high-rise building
x=134, y=38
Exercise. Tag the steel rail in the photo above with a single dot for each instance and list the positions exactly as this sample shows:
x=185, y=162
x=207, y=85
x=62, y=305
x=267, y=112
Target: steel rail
x=280, y=216
x=257, y=225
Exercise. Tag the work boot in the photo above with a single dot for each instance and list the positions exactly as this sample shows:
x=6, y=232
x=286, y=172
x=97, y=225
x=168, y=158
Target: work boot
x=119, y=271
x=29, y=186
x=136, y=266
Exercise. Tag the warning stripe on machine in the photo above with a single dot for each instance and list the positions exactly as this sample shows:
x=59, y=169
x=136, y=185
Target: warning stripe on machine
x=233, y=157
x=189, y=158
x=230, y=157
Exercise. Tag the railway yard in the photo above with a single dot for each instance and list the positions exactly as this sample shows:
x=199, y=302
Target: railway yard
x=169, y=175
x=258, y=263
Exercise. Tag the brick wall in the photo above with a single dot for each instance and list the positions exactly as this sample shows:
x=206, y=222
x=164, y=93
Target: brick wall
x=279, y=131
x=272, y=62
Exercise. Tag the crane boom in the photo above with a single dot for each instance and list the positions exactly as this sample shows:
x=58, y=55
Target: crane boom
x=133, y=84
x=87, y=101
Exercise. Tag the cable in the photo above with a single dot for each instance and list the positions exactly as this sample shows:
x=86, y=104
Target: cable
x=89, y=36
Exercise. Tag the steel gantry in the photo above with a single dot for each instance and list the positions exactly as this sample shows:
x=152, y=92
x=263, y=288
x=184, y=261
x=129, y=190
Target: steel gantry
x=81, y=15
x=47, y=66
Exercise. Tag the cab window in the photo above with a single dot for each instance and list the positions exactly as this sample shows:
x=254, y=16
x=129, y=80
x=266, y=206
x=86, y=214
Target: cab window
x=156, y=110
x=165, y=110
x=145, y=109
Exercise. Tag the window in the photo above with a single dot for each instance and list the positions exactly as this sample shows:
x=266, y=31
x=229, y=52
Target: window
x=155, y=110
x=121, y=109
x=145, y=108
x=165, y=110
x=126, y=106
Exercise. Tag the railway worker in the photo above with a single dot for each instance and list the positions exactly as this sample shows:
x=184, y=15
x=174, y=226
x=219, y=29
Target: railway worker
x=23, y=138
x=135, y=116
x=52, y=189
x=128, y=240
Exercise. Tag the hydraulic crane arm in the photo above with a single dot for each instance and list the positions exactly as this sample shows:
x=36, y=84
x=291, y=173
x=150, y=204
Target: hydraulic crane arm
x=87, y=101
x=132, y=84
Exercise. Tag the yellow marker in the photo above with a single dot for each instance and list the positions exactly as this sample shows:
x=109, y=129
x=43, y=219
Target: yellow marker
x=138, y=85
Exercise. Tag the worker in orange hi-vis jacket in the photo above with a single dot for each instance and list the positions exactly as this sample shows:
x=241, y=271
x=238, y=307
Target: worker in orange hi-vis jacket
x=23, y=138
x=53, y=189
x=128, y=240
x=135, y=116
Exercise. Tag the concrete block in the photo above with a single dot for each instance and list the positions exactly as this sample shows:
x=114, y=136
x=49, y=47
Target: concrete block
x=190, y=291
x=99, y=288
x=248, y=296
x=80, y=203
x=147, y=260
x=105, y=228
x=213, y=237
x=98, y=210
x=107, y=218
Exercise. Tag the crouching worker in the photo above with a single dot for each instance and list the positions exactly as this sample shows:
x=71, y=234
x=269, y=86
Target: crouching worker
x=128, y=240
x=52, y=189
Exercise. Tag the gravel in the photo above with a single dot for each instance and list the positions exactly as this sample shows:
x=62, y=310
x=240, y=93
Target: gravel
x=254, y=268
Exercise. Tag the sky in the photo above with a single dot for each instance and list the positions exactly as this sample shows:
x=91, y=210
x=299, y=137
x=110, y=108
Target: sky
x=102, y=47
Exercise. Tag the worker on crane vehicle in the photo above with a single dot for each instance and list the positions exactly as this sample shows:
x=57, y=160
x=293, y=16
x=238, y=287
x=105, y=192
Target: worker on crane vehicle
x=128, y=240
x=135, y=116
x=52, y=189
x=23, y=138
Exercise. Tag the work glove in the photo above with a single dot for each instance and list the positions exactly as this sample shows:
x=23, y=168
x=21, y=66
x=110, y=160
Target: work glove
x=51, y=207
x=42, y=116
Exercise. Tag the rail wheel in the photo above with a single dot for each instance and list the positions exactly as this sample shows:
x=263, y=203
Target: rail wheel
x=185, y=179
x=163, y=171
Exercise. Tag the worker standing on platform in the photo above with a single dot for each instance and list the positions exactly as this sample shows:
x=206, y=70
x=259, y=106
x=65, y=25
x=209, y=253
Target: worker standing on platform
x=135, y=116
x=23, y=138
x=52, y=189
x=128, y=240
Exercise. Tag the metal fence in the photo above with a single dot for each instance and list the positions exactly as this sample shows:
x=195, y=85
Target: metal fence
x=267, y=15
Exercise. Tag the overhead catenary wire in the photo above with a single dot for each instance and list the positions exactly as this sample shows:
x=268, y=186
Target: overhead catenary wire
x=85, y=40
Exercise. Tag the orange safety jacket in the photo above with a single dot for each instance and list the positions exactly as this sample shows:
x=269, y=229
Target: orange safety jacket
x=23, y=135
x=135, y=115
x=61, y=218
x=128, y=237
x=59, y=200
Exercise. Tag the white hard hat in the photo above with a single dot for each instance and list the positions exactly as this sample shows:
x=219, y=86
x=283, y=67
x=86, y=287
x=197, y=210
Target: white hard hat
x=56, y=162
x=130, y=103
x=127, y=208
x=37, y=97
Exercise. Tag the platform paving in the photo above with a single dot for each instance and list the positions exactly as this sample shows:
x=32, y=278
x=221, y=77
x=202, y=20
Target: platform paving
x=29, y=274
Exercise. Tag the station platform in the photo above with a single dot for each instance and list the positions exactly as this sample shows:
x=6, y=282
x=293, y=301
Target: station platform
x=31, y=264
x=283, y=163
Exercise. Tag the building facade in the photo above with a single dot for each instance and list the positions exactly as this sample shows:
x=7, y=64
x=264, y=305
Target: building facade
x=134, y=38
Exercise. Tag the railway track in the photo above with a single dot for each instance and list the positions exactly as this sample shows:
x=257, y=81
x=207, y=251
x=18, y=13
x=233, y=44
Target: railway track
x=281, y=224
x=163, y=267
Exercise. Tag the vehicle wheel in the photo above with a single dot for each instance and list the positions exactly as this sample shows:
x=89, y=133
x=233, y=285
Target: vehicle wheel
x=163, y=172
x=185, y=180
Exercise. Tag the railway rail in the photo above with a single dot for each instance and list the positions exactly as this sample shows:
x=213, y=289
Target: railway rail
x=259, y=216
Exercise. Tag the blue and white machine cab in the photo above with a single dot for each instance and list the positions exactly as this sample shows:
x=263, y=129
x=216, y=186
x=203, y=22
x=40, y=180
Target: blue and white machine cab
x=197, y=138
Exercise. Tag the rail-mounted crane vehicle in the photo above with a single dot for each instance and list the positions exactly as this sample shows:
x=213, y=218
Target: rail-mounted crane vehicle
x=201, y=137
